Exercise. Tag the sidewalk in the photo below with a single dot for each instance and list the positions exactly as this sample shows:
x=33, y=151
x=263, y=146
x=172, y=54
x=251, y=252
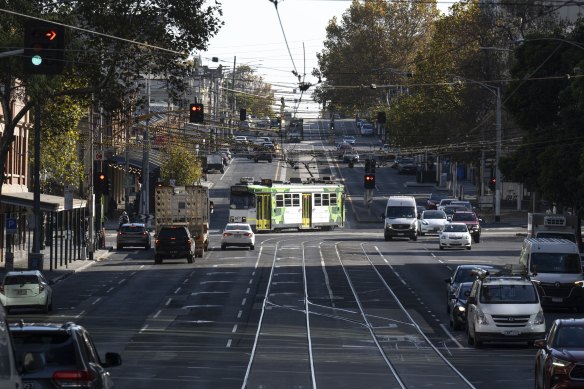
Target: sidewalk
x=69, y=267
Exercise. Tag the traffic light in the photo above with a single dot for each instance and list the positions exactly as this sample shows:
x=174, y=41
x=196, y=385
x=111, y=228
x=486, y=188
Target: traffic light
x=100, y=183
x=43, y=48
x=196, y=113
x=242, y=114
x=370, y=166
x=369, y=181
x=492, y=183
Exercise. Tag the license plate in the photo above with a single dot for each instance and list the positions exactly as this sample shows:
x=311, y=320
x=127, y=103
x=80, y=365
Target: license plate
x=173, y=251
x=557, y=299
x=400, y=233
x=21, y=291
x=511, y=332
x=28, y=385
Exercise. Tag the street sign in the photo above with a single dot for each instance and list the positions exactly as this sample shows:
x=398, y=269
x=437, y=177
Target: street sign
x=11, y=225
x=98, y=156
x=68, y=197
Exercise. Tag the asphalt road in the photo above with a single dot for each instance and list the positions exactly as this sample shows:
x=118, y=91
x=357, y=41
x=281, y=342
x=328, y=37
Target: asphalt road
x=341, y=309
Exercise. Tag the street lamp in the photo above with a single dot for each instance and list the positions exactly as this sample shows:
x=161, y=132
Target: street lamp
x=496, y=91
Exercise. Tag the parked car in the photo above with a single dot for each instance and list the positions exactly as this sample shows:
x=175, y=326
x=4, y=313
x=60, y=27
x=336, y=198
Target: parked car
x=463, y=273
x=367, y=129
x=472, y=222
x=134, y=235
x=241, y=138
x=238, y=234
x=60, y=356
x=342, y=148
x=431, y=221
x=26, y=289
x=455, y=235
x=174, y=242
x=457, y=305
x=349, y=139
x=560, y=356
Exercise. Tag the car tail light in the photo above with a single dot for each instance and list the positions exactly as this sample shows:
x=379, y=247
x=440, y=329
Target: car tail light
x=248, y=234
x=157, y=242
x=227, y=234
x=145, y=233
x=120, y=233
x=74, y=378
x=189, y=242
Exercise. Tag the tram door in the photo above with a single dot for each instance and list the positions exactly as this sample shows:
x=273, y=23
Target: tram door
x=264, y=212
x=306, y=210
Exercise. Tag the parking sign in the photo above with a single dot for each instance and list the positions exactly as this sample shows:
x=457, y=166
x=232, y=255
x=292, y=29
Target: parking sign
x=10, y=225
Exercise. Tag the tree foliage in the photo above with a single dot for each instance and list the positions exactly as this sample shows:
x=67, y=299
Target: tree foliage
x=374, y=43
x=109, y=45
x=181, y=165
x=250, y=92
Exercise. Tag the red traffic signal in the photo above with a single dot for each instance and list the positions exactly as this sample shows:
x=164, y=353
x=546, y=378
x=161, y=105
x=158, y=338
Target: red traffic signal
x=196, y=113
x=43, y=48
x=369, y=181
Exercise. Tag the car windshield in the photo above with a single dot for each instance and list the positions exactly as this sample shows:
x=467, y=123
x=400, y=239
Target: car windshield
x=433, y=215
x=464, y=217
x=57, y=348
x=569, y=337
x=455, y=228
x=555, y=263
x=508, y=294
x=132, y=229
x=237, y=227
x=464, y=290
x=167, y=233
x=464, y=275
x=400, y=212
x=21, y=280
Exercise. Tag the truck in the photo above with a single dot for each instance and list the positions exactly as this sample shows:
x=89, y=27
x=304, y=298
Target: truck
x=214, y=163
x=187, y=206
x=544, y=225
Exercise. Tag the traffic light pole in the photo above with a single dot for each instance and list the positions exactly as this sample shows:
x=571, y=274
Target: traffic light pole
x=35, y=258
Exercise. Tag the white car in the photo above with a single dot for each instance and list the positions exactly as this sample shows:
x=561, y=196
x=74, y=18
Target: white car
x=431, y=221
x=349, y=139
x=238, y=234
x=455, y=235
x=26, y=289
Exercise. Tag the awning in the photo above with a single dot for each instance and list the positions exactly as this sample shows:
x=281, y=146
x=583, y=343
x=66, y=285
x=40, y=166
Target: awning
x=49, y=203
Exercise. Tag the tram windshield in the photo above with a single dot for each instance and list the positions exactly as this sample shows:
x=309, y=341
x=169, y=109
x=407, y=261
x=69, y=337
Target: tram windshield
x=241, y=198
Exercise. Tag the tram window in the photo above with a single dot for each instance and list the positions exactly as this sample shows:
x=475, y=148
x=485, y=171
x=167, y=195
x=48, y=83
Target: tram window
x=333, y=198
x=325, y=199
x=279, y=200
x=288, y=200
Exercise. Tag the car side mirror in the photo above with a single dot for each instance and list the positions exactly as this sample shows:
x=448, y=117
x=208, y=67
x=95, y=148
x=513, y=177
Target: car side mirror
x=471, y=300
x=211, y=206
x=451, y=296
x=382, y=216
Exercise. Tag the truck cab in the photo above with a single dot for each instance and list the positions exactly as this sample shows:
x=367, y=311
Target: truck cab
x=400, y=218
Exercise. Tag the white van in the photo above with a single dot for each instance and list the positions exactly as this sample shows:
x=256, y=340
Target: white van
x=9, y=376
x=554, y=266
x=401, y=218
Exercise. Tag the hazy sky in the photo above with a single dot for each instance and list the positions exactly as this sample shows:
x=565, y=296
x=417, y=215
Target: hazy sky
x=252, y=33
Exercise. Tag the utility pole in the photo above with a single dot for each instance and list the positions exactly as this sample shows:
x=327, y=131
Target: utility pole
x=498, y=183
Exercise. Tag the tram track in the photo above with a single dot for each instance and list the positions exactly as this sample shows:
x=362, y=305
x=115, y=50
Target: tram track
x=330, y=319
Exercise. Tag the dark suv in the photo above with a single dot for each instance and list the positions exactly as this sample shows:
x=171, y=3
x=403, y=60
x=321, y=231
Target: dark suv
x=174, y=242
x=472, y=222
x=58, y=356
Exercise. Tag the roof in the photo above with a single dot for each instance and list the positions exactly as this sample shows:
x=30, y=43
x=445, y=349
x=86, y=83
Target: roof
x=49, y=203
x=136, y=159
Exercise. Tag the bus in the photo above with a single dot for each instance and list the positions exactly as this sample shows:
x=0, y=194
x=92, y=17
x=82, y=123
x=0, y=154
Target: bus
x=274, y=205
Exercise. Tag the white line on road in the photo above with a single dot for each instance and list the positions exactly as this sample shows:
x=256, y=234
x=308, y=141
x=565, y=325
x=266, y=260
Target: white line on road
x=228, y=343
x=143, y=328
x=110, y=289
x=157, y=313
x=239, y=314
x=96, y=301
x=177, y=290
x=121, y=281
x=168, y=301
x=79, y=314
x=451, y=337
x=234, y=329
x=247, y=291
x=243, y=301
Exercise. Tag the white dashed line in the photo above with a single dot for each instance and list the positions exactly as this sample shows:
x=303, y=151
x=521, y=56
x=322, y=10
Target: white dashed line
x=239, y=314
x=177, y=290
x=243, y=301
x=144, y=328
x=110, y=289
x=234, y=329
x=168, y=302
x=228, y=343
x=156, y=314
x=96, y=301
x=247, y=291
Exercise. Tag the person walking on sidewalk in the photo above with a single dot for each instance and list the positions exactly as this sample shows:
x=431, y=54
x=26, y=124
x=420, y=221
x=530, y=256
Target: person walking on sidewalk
x=124, y=218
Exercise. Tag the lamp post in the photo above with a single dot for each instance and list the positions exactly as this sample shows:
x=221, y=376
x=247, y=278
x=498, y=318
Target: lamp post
x=496, y=91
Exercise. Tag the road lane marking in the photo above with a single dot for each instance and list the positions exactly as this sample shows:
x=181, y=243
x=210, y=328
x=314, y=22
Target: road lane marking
x=121, y=281
x=79, y=314
x=239, y=314
x=228, y=343
x=243, y=301
x=143, y=328
x=110, y=289
x=234, y=329
x=96, y=301
x=157, y=314
x=168, y=301
x=177, y=290
x=247, y=291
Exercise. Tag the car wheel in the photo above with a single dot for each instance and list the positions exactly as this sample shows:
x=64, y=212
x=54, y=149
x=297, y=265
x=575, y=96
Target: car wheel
x=157, y=259
x=251, y=247
x=387, y=237
x=120, y=247
x=223, y=246
x=455, y=325
x=422, y=233
x=469, y=339
x=441, y=247
x=190, y=258
x=414, y=237
x=147, y=247
x=468, y=248
x=255, y=160
x=46, y=307
x=477, y=238
x=269, y=160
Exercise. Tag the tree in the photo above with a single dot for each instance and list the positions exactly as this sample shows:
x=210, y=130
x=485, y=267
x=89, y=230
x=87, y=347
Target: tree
x=374, y=43
x=182, y=166
x=126, y=42
x=249, y=92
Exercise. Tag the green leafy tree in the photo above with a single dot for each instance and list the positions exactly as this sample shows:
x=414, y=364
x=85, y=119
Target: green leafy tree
x=250, y=92
x=114, y=43
x=181, y=165
x=374, y=43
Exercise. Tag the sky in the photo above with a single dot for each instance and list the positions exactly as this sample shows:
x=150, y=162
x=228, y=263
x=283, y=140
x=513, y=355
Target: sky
x=253, y=35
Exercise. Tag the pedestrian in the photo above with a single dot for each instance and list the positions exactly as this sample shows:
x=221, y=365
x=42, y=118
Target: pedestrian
x=124, y=218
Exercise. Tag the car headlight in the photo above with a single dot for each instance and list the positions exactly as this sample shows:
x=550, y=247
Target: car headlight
x=481, y=317
x=460, y=308
x=539, y=318
x=557, y=362
x=443, y=236
x=413, y=225
x=425, y=222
